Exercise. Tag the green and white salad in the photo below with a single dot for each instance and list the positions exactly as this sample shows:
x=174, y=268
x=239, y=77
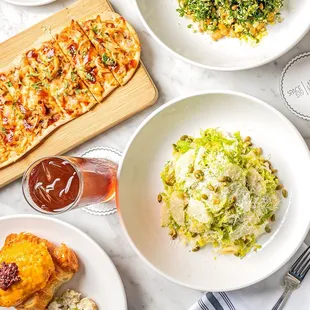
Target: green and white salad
x=219, y=189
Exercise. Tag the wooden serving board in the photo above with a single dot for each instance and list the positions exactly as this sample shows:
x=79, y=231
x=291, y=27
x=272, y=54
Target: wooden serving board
x=124, y=102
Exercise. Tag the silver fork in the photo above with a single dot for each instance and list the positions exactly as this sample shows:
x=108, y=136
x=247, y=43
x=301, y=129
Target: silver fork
x=294, y=277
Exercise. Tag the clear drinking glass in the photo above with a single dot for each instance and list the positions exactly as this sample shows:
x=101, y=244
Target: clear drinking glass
x=54, y=185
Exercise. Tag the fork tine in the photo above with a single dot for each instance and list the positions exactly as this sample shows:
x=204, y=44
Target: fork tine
x=303, y=263
x=299, y=259
x=306, y=271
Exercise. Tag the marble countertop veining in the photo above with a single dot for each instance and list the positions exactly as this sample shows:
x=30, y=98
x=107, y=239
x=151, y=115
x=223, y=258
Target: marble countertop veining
x=144, y=287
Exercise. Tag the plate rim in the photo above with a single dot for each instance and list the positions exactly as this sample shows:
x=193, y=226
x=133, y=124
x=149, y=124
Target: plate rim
x=16, y=2
x=135, y=134
x=217, y=68
x=79, y=231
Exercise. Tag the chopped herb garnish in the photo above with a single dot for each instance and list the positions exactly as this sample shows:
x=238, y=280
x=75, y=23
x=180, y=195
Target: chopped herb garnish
x=9, y=84
x=3, y=130
x=73, y=76
x=95, y=29
x=107, y=60
x=90, y=77
x=37, y=85
x=190, y=26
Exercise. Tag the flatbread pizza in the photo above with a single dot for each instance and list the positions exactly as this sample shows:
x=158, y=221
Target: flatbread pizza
x=116, y=42
x=62, y=77
x=83, y=56
x=28, y=113
x=65, y=85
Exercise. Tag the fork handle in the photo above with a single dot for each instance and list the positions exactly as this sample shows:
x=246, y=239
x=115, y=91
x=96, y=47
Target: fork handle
x=282, y=300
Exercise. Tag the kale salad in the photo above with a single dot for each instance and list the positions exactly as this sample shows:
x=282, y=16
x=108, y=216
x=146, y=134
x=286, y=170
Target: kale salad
x=243, y=19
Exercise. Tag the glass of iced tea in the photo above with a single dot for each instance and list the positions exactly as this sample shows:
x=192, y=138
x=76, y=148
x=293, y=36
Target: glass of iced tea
x=53, y=185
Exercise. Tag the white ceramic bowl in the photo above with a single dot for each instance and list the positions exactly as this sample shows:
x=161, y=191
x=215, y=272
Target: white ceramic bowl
x=30, y=2
x=139, y=185
x=97, y=277
x=164, y=24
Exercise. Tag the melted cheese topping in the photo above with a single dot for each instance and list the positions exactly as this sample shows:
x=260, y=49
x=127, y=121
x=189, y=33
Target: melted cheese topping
x=83, y=56
x=115, y=43
x=26, y=109
x=35, y=266
x=65, y=84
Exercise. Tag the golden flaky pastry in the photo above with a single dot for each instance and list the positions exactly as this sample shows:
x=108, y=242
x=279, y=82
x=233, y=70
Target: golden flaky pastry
x=35, y=266
x=42, y=266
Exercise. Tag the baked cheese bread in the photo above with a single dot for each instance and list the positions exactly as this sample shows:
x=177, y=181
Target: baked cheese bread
x=42, y=266
x=35, y=266
x=66, y=265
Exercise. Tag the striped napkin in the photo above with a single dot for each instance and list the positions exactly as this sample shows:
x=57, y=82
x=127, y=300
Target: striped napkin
x=261, y=296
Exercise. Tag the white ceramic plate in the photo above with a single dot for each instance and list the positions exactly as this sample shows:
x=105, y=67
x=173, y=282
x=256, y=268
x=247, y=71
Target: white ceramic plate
x=139, y=185
x=97, y=277
x=30, y=2
x=170, y=30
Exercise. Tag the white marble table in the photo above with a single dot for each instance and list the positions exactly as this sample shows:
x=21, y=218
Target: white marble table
x=146, y=289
